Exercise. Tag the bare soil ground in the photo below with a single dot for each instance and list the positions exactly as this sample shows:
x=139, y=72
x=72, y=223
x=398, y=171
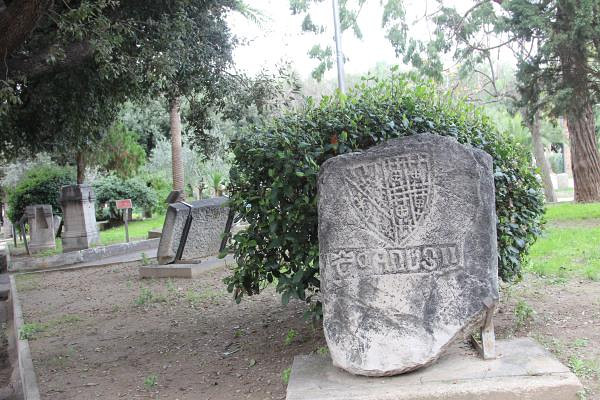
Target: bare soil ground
x=103, y=333
x=106, y=334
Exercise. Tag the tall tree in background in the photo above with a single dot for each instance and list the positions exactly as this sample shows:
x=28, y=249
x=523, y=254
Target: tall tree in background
x=565, y=66
x=67, y=66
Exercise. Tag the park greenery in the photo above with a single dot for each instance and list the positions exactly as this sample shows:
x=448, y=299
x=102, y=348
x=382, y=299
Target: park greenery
x=140, y=98
x=274, y=177
x=556, y=44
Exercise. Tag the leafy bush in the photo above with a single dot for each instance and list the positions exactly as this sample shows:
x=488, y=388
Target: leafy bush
x=273, y=182
x=39, y=185
x=111, y=188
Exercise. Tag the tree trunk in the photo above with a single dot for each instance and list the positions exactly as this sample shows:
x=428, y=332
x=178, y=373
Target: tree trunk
x=585, y=159
x=80, y=168
x=575, y=66
x=176, y=156
x=540, y=158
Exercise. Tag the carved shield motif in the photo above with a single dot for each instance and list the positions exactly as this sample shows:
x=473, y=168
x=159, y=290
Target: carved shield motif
x=392, y=195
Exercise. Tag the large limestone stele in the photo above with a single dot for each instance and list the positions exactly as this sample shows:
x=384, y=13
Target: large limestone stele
x=408, y=257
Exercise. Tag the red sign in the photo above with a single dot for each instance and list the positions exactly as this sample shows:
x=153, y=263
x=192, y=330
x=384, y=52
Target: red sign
x=123, y=204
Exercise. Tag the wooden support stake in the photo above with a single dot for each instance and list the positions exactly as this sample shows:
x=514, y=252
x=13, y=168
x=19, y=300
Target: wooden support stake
x=487, y=346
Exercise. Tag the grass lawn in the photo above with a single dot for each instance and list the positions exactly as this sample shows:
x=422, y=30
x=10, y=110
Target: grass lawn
x=572, y=211
x=138, y=230
x=570, y=245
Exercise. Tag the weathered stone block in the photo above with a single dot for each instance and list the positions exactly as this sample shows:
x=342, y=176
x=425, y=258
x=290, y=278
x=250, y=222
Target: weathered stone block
x=41, y=227
x=524, y=371
x=79, y=212
x=204, y=238
x=407, y=238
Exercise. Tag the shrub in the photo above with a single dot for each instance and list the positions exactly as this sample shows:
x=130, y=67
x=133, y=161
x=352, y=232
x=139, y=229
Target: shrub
x=111, y=188
x=273, y=182
x=39, y=185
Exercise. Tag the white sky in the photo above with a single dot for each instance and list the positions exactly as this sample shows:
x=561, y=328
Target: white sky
x=281, y=38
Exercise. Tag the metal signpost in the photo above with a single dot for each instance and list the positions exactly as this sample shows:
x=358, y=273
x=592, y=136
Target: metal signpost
x=125, y=205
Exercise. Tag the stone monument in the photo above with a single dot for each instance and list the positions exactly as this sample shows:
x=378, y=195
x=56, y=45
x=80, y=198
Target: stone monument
x=41, y=227
x=205, y=234
x=408, y=264
x=408, y=258
x=79, y=214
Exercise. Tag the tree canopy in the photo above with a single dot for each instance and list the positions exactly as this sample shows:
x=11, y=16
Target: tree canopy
x=69, y=65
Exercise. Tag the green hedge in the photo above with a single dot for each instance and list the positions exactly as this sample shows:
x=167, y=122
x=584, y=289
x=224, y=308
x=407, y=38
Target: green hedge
x=40, y=185
x=273, y=182
x=110, y=188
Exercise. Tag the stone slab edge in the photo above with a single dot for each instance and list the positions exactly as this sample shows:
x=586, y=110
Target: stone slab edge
x=186, y=271
x=81, y=256
x=26, y=371
x=314, y=377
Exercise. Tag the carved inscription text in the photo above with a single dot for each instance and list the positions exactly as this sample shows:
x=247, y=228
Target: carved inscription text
x=357, y=263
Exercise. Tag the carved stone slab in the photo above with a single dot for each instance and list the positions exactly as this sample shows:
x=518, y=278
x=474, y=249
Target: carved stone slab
x=408, y=257
x=204, y=238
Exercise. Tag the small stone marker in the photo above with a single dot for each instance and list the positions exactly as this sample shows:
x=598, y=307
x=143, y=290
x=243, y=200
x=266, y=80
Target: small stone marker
x=408, y=257
x=204, y=237
x=41, y=227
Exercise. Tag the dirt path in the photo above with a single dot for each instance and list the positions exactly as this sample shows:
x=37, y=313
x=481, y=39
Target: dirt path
x=107, y=335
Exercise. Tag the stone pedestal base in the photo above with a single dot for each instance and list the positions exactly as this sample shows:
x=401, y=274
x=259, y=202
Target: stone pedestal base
x=523, y=370
x=79, y=212
x=186, y=271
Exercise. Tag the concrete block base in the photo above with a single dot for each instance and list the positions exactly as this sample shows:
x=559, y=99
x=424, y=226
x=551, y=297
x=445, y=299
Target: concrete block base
x=154, y=234
x=523, y=370
x=188, y=271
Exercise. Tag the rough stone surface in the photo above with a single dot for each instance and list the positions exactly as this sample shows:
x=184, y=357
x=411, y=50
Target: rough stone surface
x=79, y=228
x=204, y=238
x=56, y=220
x=408, y=251
x=41, y=227
x=524, y=370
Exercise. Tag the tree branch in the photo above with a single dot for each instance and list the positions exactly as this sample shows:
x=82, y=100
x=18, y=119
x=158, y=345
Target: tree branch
x=37, y=64
x=17, y=21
